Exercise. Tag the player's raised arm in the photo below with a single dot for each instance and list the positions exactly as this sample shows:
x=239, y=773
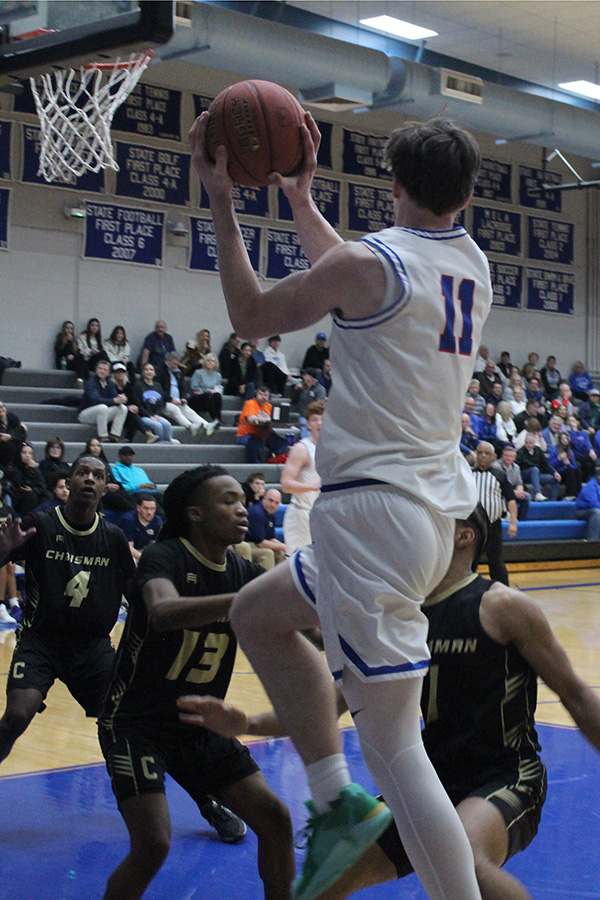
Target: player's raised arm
x=510, y=616
x=11, y=537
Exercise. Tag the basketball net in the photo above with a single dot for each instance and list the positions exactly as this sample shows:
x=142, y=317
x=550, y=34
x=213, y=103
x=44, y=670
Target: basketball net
x=76, y=109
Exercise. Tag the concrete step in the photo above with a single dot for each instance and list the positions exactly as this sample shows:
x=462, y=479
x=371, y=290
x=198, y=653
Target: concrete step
x=180, y=454
x=12, y=395
x=40, y=412
x=164, y=473
x=43, y=378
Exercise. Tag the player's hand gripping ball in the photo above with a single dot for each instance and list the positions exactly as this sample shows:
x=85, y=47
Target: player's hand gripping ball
x=259, y=124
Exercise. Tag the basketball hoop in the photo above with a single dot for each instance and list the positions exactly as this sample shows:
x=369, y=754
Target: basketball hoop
x=76, y=109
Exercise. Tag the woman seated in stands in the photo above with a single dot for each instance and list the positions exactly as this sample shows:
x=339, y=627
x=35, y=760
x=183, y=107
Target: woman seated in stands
x=580, y=381
x=228, y=353
x=243, y=374
x=206, y=389
x=581, y=445
x=134, y=421
x=532, y=426
x=54, y=463
x=66, y=351
x=515, y=380
x=562, y=458
x=518, y=402
x=486, y=430
x=151, y=400
x=506, y=430
x=118, y=350
x=27, y=484
x=195, y=351
x=91, y=346
x=115, y=497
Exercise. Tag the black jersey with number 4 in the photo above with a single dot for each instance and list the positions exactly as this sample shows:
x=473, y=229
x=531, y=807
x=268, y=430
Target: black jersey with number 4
x=74, y=580
x=478, y=698
x=154, y=668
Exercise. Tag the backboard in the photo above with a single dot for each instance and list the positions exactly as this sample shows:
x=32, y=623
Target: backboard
x=37, y=35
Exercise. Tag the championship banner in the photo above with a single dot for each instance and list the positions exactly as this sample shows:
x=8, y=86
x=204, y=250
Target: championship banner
x=531, y=193
x=551, y=241
x=247, y=201
x=203, y=245
x=493, y=181
x=550, y=291
x=363, y=155
x=497, y=230
x=91, y=182
x=123, y=234
x=150, y=111
x=151, y=173
x=507, y=285
x=369, y=208
x=284, y=254
x=326, y=194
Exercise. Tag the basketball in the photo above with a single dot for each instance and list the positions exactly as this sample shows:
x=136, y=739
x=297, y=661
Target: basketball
x=259, y=124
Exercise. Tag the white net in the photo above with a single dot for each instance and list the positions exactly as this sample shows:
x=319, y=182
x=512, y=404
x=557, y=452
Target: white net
x=76, y=109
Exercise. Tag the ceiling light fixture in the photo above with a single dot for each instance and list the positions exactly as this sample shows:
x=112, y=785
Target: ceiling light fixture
x=398, y=28
x=585, y=88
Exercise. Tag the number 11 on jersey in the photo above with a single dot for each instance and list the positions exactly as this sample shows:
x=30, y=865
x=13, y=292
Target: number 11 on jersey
x=465, y=297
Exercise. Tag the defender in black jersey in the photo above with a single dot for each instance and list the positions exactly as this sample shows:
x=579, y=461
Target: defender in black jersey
x=77, y=568
x=177, y=640
x=488, y=644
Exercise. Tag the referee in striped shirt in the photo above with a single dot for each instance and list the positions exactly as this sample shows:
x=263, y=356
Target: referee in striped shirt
x=494, y=489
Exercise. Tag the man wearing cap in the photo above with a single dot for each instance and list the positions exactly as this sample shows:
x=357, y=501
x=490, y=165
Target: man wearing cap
x=317, y=353
x=132, y=478
x=587, y=506
x=589, y=413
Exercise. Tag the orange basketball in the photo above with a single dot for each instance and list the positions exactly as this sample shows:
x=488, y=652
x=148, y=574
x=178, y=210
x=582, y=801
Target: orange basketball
x=259, y=124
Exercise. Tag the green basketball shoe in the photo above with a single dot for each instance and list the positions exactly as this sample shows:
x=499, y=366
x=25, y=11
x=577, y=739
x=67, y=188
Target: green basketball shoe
x=337, y=838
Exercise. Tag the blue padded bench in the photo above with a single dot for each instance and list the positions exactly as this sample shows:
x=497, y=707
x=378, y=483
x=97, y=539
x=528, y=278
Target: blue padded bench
x=549, y=521
x=279, y=521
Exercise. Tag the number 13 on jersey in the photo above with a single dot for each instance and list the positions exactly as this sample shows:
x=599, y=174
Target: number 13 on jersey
x=466, y=290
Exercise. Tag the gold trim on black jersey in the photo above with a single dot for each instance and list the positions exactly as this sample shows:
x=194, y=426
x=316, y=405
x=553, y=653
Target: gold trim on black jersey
x=72, y=530
x=437, y=598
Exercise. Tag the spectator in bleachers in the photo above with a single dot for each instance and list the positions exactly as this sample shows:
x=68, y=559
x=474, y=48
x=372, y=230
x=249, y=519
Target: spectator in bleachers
x=485, y=428
x=177, y=408
x=254, y=488
x=243, y=374
x=515, y=380
x=59, y=493
x=585, y=454
x=132, y=478
x=134, y=421
x=151, y=400
x=91, y=347
x=228, y=353
x=275, y=370
x=506, y=430
x=255, y=429
x=562, y=459
x=533, y=391
x=118, y=350
x=469, y=409
x=482, y=358
x=580, y=381
x=536, y=470
x=488, y=378
x=267, y=550
x=141, y=525
x=505, y=366
x=12, y=434
x=518, y=402
x=496, y=395
x=317, y=353
x=587, y=506
x=532, y=426
x=10, y=608
x=324, y=376
x=552, y=430
x=257, y=355
x=508, y=464
x=468, y=439
x=475, y=392
x=54, y=461
x=589, y=412
x=551, y=378
x=206, y=390
x=531, y=365
x=565, y=398
x=115, y=497
x=307, y=391
x=195, y=351
x=102, y=405
x=66, y=351
x=27, y=484
x=532, y=411
x=156, y=345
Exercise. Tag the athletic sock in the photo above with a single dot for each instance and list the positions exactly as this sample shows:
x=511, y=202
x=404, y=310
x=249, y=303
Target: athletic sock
x=326, y=779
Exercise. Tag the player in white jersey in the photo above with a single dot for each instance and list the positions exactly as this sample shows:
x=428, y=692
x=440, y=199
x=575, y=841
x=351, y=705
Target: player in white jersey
x=409, y=305
x=300, y=479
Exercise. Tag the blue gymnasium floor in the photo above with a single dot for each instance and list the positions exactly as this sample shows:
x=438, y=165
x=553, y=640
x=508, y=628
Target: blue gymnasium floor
x=61, y=834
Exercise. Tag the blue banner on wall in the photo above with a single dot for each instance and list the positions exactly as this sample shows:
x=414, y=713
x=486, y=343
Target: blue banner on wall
x=203, y=245
x=247, y=201
x=284, y=254
x=324, y=158
x=149, y=173
x=92, y=182
x=123, y=234
x=493, y=182
x=550, y=291
x=150, y=111
x=4, y=205
x=201, y=103
x=5, y=130
x=363, y=155
x=507, y=284
x=531, y=193
x=369, y=208
x=326, y=194
x=497, y=230
x=551, y=241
